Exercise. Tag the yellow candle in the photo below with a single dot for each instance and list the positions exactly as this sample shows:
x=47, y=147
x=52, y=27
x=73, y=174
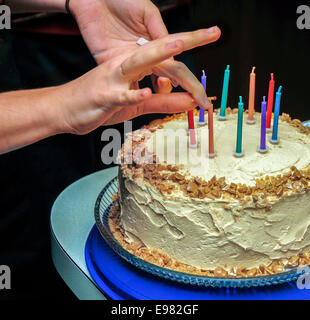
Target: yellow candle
x=251, y=108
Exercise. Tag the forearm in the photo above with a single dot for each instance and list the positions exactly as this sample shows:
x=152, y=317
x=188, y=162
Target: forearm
x=27, y=116
x=19, y=6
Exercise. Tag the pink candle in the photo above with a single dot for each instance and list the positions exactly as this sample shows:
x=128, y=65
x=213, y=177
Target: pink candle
x=270, y=103
x=191, y=127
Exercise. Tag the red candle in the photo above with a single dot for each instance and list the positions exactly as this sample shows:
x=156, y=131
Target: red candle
x=212, y=153
x=270, y=103
x=191, y=127
x=190, y=118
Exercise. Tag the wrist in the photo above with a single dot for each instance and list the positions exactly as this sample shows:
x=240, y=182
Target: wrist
x=47, y=105
x=67, y=7
x=69, y=106
x=71, y=6
x=59, y=99
x=27, y=116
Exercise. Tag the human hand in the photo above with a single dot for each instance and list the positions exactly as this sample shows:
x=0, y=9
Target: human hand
x=111, y=27
x=108, y=25
x=109, y=94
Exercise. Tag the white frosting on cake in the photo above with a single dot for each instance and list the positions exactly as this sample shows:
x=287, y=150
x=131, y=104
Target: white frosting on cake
x=294, y=150
x=208, y=233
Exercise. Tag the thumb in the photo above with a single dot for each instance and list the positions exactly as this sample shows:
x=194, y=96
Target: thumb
x=161, y=84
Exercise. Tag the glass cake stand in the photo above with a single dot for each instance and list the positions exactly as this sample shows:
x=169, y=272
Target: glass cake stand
x=102, y=209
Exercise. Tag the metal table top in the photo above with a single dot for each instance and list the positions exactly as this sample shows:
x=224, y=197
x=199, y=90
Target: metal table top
x=72, y=218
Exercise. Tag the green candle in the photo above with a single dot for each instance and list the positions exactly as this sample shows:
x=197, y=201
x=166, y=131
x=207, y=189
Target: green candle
x=239, y=152
x=222, y=115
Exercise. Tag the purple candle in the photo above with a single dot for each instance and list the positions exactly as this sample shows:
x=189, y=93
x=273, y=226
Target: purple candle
x=201, y=121
x=263, y=147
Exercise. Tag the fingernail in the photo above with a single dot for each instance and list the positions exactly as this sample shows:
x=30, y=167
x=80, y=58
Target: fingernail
x=164, y=83
x=206, y=103
x=194, y=103
x=144, y=93
x=211, y=30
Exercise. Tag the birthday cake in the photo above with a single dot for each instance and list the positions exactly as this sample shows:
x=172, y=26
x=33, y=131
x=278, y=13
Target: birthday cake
x=223, y=216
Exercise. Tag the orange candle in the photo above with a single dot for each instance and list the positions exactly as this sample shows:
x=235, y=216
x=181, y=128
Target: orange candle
x=212, y=153
x=251, y=108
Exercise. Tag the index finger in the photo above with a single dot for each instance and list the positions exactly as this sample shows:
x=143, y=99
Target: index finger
x=196, y=38
x=156, y=51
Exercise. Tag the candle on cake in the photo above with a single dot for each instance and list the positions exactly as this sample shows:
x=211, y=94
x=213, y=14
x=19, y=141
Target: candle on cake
x=238, y=152
x=222, y=115
x=212, y=152
x=270, y=103
x=191, y=127
x=201, y=121
x=251, y=107
x=262, y=148
x=274, y=139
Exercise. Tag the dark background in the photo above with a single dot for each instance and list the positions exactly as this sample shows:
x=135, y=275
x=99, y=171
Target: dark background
x=261, y=33
x=256, y=33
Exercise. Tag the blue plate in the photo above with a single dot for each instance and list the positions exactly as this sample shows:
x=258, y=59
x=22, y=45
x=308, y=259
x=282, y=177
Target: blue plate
x=122, y=281
x=102, y=208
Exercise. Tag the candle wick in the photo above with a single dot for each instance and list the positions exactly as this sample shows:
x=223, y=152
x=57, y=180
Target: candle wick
x=271, y=76
x=279, y=90
x=240, y=99
x=264, y=98
x=203, y=73
x=253, y=69
x=227, y=68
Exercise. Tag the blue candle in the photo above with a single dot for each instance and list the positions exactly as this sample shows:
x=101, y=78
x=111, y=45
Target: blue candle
x=239, y=152
x=201, y=121
x=274, y=139
x=224, y=94
x=263, y=148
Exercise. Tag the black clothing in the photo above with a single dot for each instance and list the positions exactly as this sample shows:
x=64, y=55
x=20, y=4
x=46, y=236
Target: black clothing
x=32, y=177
